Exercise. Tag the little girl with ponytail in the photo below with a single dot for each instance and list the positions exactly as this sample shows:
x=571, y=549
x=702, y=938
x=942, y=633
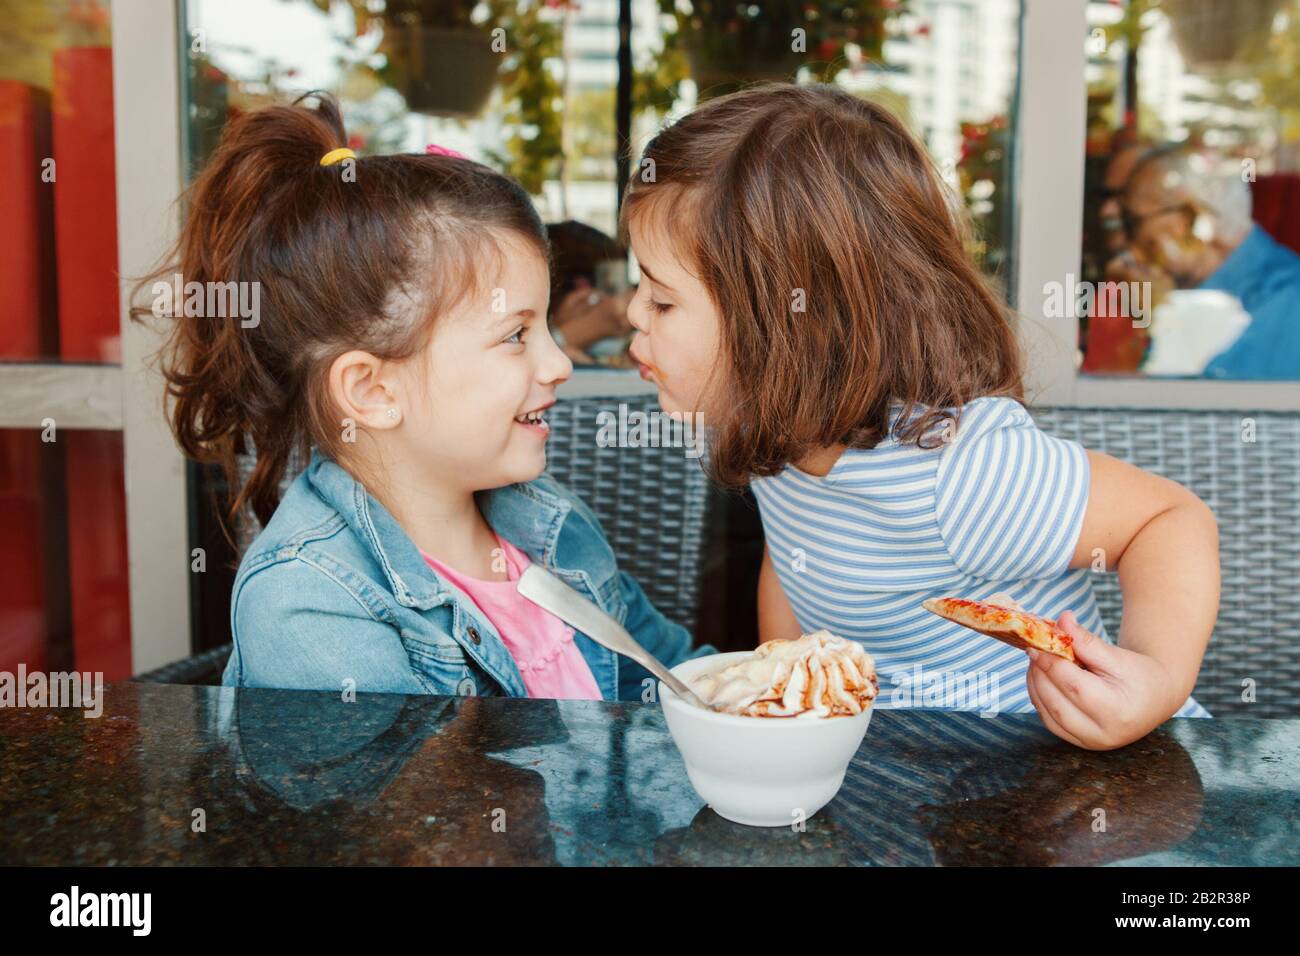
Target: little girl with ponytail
x=401, y=345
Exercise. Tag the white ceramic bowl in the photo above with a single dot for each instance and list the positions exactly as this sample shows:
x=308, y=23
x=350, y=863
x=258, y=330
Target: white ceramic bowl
x=761, y=771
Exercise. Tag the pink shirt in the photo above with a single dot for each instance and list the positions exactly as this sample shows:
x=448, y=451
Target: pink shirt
x=541, y=644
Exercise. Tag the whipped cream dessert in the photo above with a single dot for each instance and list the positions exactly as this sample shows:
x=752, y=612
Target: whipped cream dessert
x=818, y=675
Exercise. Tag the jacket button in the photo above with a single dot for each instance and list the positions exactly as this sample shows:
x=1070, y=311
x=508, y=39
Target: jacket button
x=473, y=635
x=466, y=687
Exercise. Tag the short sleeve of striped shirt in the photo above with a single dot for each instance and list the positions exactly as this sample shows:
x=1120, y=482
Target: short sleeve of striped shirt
x=1009, y=498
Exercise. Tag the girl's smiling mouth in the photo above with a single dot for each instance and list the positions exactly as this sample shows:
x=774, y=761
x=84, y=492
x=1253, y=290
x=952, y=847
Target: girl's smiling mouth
x=534, y=421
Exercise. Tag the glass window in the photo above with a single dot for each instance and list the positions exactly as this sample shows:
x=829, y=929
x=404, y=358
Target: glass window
x=58, y=248
x=1192, y=195
x=549, y=91
x=530, y=88
x=949, y=73
x=527, y=88
x=533, y=88
x=64, y=601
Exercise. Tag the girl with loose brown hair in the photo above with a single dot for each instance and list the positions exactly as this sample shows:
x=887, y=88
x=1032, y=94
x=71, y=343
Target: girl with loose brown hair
x=806, y=288
x=391, y=324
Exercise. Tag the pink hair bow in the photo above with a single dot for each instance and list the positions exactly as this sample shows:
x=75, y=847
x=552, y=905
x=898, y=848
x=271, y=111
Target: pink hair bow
x=434, y=150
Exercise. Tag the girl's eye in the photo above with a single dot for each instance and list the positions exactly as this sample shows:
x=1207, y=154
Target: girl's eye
x=516, y=337
x=660, y=307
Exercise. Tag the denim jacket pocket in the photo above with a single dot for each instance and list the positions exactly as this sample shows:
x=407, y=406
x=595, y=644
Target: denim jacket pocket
x=440, y=665
x=443, y=667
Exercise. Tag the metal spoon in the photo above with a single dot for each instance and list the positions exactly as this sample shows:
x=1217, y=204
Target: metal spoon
x=546, y=590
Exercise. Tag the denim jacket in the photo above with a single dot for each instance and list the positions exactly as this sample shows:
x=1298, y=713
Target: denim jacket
x=333, y=589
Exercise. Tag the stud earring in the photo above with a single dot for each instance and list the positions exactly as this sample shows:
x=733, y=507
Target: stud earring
x=391, y=413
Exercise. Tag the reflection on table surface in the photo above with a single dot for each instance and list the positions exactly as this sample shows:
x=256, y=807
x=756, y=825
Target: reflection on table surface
x=302, y=777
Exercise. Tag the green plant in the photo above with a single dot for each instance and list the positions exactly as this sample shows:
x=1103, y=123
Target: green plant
x=393, y=18
x=531, y=39
x=736, y=42
x=982, y=173
x=433, y=13
x=532, y=95
x=656, y=81
x=32, y=30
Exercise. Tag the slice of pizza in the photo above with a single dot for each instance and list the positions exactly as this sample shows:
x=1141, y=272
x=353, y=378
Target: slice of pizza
x=1008, y=622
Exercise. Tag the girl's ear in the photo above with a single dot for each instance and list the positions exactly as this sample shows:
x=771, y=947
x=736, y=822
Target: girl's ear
x=360, y=392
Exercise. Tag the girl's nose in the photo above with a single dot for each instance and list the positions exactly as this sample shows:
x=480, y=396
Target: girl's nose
x=636, y=313
x=555, y=366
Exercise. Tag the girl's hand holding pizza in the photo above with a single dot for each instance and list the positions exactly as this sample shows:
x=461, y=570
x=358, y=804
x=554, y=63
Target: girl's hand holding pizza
x=1121, y=696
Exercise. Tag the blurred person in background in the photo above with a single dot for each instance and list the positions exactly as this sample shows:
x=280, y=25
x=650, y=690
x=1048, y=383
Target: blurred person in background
x=1123, y=158
x=589, y=294
x=1112, y=341
x=1228, y=295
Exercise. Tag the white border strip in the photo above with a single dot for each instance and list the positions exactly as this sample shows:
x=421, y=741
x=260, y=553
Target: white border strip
x=1100, y=391
x=146, y=105
x=1053, y=113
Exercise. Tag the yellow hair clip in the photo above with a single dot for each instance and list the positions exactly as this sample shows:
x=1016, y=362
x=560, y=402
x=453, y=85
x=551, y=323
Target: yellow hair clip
x=337, y=155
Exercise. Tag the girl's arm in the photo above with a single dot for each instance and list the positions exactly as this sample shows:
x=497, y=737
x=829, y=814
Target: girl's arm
x=1164, y=542
x=295, y=627
x=775, y=616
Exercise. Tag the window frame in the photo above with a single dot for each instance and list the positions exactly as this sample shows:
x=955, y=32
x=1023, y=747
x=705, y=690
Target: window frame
x=1050, y=174
x=147, y=45
x=127, y=398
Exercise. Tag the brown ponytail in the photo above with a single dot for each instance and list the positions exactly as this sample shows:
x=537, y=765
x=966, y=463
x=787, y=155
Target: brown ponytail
x=358, y=255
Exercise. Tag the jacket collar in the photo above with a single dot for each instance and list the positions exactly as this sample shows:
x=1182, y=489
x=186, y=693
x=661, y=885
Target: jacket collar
x=527, y=516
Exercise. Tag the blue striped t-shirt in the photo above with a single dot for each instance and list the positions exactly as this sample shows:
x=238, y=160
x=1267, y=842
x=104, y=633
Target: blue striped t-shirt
x=996, y=508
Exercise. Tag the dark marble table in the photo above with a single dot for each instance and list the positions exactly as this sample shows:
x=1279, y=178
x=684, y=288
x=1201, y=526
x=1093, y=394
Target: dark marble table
x=293, y=777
